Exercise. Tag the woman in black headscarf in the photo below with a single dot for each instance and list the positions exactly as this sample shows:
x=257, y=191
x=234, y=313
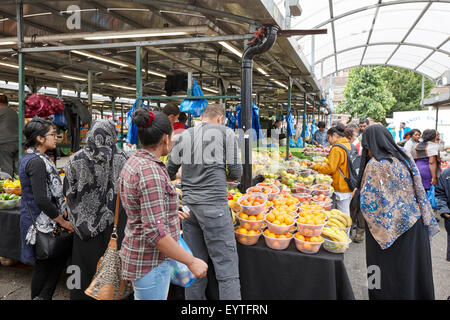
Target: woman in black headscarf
x=399, y=220
x=90, y=187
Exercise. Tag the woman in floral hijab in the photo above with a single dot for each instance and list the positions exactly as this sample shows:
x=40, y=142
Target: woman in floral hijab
x=90, y=187
x=399, y=220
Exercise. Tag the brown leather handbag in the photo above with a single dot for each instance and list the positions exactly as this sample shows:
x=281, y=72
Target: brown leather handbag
x=107, y=283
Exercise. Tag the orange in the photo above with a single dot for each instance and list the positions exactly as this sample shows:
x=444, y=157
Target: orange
x=281, y=236
x=307, y=246
x=275, y=244
x=289, y=221
x=310, y=221
x=243, y=216
x=272, y=235
x=280, y=218
x=301, y=220
x=243, y=231
x=260, y=216
x=288, y=234
x=299, y=236
x=270, y=217
x=246, y=225
x=277, y=222
x=267, y=232
x=252, y=218
x=252, y=233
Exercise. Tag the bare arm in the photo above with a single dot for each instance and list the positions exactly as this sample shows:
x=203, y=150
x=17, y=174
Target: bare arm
x=170, y=248
x=432, y=162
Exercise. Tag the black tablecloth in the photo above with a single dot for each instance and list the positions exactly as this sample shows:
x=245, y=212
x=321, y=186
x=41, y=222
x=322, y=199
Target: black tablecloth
x=10, y=244
x=268, y=274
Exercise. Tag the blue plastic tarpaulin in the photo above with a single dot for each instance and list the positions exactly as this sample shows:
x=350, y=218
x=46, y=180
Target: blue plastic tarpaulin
x=132, y=128
x=231, y=119
x=257, y=133
x=290, y=124
x=194, y=107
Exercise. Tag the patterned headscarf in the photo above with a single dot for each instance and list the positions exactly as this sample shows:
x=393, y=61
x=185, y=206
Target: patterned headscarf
x=91, y=180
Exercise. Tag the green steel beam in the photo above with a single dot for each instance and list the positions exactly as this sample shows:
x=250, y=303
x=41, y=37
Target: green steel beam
x=304, y=119
x=21, y=73
x=288, y=110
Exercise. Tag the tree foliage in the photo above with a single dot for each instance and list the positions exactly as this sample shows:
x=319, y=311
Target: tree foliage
x=379, y=91
x=366, y=94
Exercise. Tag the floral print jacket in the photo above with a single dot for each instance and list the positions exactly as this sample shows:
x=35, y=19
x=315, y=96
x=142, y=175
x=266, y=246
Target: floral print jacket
x=392, y=201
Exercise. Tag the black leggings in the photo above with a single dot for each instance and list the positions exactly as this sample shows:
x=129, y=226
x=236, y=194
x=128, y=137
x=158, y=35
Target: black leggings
x=46, y=274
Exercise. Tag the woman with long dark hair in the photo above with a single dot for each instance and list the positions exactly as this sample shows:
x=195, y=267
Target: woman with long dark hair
x=414, y=139
x=426, y=155
x=42, y=196
x=399, y=219
x=151, y=204
x=90, y=187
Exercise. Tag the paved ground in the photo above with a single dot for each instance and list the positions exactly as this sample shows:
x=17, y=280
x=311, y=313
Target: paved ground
x=15, y=281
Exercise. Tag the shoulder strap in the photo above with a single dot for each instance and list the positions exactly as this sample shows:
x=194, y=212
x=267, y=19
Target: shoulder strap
x=31, y=215
x=116, y=216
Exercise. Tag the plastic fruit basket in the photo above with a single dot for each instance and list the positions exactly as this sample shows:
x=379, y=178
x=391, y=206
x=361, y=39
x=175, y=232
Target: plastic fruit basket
x=326, y=205
x=278, y=229
x=303, y=189
x=275, y=191
x=307, y=247
x=302, y=197
x=335, y=247
x=276, y=243
x=319, y=189
x=17, y=191
x=310, y=230
x=253, y=210
x=246, y=239
x=305, y=172
x=251, y=224
x=9, y=204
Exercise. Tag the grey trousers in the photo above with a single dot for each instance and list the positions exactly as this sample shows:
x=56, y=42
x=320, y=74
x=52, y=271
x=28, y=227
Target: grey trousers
x=8, y=157
x=209, y=232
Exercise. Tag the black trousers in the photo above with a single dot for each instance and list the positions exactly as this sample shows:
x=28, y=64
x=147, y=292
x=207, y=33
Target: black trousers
x=45, y=277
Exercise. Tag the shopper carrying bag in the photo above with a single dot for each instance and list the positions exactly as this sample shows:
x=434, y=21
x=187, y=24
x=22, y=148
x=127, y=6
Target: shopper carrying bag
x=107, y=283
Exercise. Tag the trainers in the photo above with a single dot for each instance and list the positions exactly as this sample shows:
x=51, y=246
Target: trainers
x=359, y=237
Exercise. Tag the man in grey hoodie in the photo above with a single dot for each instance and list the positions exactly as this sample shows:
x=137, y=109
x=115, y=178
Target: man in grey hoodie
x=208, y=155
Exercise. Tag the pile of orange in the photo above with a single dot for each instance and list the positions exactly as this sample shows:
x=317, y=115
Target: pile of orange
x=269, y=234
x=316, y=239
x=252, y=201
x=258, y=217
x=279, y=219
x=312, y=219
x=242, y=230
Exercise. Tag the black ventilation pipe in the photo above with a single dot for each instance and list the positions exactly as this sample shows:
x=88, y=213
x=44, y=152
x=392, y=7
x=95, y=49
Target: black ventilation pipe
x=254, y=49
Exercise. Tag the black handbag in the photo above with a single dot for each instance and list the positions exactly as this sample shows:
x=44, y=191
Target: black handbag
x=51, y=245
x=355, y=210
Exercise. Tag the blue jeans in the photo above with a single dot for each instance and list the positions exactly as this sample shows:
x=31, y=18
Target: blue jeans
x=154, y=285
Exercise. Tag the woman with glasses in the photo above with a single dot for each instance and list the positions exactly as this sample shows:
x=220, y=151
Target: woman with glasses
x=42, y=197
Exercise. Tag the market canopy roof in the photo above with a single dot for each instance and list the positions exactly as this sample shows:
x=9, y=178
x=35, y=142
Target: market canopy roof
x=409, y=34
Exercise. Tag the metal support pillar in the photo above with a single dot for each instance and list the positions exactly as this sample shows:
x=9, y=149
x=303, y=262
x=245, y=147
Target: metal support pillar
x=121, y=127
x=304, y=119
x=90, y=91
x=189, y=93
x=139, y=75
x=101, y=112
x=113, y=107
x=21, y=72
x=288, y=111
x=59, y=90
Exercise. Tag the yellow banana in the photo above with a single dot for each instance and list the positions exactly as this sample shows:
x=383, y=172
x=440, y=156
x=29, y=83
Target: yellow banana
x=338, y=222
x=348, y=219
x=331, y=224
x=342, y=220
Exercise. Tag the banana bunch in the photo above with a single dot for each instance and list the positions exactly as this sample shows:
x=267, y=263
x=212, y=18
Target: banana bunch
x=335, y=234
x=338, y=219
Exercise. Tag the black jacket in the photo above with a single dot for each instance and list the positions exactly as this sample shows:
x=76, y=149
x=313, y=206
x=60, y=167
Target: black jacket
x=443, y=193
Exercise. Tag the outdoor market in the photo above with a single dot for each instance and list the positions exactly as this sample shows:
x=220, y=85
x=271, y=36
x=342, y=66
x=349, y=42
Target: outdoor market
x=210, y=150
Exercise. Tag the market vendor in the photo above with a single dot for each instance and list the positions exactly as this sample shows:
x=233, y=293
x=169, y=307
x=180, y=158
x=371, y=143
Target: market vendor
x=337, y=161
x=9, y=130
x=319, y=137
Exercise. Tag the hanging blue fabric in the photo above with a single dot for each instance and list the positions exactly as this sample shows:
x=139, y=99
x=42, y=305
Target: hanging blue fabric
x=257, y=132
x=231, y=119
x=290, y=124
x=59, y=119
x=132, y=128
x=194, y=107
x=432, y=197
x=313, y=127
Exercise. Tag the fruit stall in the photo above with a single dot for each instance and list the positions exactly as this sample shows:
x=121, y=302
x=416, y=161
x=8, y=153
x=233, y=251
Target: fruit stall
x=10, y=197
x=288, y=224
